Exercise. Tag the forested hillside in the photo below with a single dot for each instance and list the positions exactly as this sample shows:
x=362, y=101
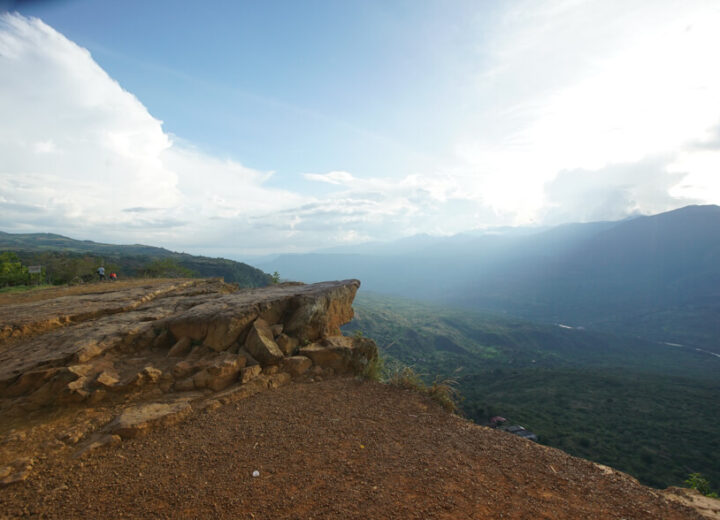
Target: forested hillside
x=64, y=259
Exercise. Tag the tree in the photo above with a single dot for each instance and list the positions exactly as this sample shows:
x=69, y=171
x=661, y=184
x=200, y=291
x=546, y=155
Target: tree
x=697, y=481
x=12, y=271
x=166, y=268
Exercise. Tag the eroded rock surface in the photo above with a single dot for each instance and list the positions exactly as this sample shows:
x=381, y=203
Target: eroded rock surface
x=143, y=357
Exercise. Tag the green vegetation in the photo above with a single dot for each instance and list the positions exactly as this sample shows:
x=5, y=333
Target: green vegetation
x=697, y=481
x=652, y=426
x=394, y=373
x=66, y=261
x=12, y=272
x=645, y=408
x=275, y=277
x=166, y=268
x=22, y=288
x=375, y=369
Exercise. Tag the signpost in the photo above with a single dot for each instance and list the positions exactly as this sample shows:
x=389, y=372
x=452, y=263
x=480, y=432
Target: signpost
x=35, y=269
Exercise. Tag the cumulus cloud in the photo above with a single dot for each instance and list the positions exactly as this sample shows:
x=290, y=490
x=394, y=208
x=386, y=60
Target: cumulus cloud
x=81, y=155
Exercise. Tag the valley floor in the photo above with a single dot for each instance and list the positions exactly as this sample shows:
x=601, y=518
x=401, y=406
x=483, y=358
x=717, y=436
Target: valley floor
x=339, y=448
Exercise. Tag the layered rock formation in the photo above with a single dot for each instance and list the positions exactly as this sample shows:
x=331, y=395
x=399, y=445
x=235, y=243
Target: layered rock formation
x=92, y=369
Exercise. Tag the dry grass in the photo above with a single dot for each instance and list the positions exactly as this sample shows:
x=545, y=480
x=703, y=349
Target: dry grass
x=442, y=391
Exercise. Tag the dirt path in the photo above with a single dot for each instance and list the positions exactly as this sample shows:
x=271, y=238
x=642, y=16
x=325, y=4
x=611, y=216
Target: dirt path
x=339, y=449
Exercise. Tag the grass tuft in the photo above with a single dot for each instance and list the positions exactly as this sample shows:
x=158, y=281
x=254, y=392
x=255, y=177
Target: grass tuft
x=375, y=369
x=442, y=390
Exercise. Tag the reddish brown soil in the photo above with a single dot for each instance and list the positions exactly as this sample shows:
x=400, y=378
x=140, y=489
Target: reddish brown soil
x=339, y=449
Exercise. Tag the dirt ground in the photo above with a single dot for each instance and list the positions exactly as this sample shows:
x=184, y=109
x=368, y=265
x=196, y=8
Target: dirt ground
x=336, y=449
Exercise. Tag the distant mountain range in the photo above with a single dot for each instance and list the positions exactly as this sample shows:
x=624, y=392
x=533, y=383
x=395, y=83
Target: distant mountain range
x=52, y=250
x=654, y=276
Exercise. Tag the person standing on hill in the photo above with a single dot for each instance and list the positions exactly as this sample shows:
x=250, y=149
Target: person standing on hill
x=101, y=273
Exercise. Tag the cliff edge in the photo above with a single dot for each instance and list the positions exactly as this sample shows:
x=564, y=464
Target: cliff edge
x=192, y=399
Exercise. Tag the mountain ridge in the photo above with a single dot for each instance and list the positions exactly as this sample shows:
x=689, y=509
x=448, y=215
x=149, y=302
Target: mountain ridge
x=654, y=276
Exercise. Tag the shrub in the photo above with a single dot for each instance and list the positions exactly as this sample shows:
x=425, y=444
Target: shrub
x=700, y=483
x=375, y=369
x=444, y=392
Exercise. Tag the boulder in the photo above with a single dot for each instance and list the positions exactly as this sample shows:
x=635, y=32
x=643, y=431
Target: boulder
x=16, y=471
x=276, y=329
x=104, y=441
x=184, y=385
x=342, y=354
x=296, y=365
x=106, y=380
x=183, y=369
x=180, y=348
x=287, y=344
x=75, y=391
x=249, y=373
x=278, y=380
x=200, y=379
x=250, y=361
x=224, y=372
x=148, y=375
x=261, y=345
x=138, y=420
x=270, y=370
x=81, y=370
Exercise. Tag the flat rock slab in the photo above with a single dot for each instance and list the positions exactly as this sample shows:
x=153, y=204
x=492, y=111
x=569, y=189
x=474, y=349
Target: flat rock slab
x=306, y=311
x=76, y=329
x=26, y=318
x=139, y=420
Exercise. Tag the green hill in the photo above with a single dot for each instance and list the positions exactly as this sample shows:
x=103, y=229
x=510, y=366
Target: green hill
x=64, y=258
x=646, y=408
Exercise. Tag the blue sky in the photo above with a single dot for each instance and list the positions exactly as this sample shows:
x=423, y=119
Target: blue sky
x=253, y=127
x=292, y=87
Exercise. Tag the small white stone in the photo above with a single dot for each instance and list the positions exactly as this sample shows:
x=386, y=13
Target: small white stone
x=256, y=473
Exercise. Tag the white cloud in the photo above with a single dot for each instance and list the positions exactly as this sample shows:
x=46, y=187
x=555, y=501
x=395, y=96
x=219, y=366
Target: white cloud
x=80, y=155
x=581, y=110
x=613, y=192
x=338, y=178
x=589, y=84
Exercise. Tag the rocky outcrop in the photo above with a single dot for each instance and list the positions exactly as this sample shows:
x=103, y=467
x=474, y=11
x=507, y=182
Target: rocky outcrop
x=149, y=355
x=341, y=354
